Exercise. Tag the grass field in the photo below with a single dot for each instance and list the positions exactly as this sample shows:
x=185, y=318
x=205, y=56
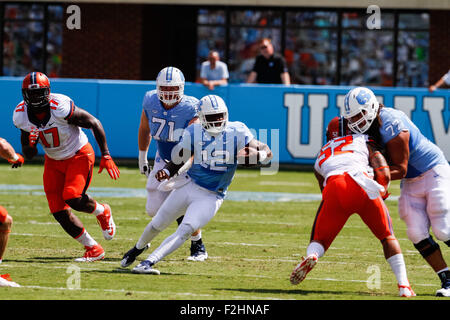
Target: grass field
x=253, y=247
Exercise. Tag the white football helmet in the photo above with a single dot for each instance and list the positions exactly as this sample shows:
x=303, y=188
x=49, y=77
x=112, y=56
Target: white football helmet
x=170, y=77
x=361, y=101
x=213, y=114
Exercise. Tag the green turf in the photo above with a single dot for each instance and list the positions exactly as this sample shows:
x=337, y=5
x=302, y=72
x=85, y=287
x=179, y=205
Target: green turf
x=252, y=246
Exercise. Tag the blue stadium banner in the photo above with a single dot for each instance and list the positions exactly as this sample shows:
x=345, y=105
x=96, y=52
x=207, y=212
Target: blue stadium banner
x=292, y=119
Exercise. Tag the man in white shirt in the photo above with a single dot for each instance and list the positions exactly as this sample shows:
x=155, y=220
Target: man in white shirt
x=214, y=72
x=445, y=78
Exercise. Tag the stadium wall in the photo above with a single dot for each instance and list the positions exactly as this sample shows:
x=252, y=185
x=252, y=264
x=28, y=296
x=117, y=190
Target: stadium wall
x=292, y=119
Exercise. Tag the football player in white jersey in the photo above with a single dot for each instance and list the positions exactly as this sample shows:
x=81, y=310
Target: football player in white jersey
x=343, y=169
x=423, y=169
x=167, y=111
x=213, y=146
x=54, y=121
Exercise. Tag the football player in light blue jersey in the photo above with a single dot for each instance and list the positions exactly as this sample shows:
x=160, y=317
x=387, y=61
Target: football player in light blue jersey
x=167, y=111
x=213, y=146
x=425, y=173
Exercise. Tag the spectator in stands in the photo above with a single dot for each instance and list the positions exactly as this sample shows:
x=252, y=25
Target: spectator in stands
x=214, y=72
x=445, y=78
x=269, y=67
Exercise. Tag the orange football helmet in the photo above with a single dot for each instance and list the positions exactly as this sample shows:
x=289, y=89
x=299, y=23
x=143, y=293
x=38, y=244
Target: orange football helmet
x=36, y=91
x=337, y=127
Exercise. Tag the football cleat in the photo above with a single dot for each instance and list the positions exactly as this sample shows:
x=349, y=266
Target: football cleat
x=406, y=291
x=106, y=222
x=303, y=268
x=145, y=267
x=131, y=255
x=93, y=253
x=444, y=291
x=198, y=252
x=6, y=281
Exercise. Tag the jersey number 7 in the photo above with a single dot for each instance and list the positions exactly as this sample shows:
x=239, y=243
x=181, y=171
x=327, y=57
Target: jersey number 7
x=54, y=135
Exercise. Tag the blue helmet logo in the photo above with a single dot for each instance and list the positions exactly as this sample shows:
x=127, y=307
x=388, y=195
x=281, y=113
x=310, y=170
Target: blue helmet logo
x=363, y=97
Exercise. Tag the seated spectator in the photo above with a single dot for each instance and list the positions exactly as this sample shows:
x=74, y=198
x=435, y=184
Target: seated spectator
x=213, y=71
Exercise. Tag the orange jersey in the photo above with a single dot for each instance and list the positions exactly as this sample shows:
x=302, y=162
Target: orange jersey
x=59, y=139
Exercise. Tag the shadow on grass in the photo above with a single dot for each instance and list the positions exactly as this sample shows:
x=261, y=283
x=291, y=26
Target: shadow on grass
x=342, y=293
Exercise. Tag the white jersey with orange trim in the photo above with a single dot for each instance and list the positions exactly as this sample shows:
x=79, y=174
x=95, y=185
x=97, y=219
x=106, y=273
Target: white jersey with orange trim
x=59, y=139
x=344, y=154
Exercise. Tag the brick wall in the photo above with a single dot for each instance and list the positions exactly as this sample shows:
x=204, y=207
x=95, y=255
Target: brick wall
x=108, y=45
x=439, y=62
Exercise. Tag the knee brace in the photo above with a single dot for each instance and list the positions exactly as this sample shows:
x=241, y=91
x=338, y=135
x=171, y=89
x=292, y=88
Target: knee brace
x=427, y=247
x=80, y=204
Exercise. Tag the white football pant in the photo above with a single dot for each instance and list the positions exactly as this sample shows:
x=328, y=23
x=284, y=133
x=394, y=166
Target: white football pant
x=198, y=205
x=425, y=202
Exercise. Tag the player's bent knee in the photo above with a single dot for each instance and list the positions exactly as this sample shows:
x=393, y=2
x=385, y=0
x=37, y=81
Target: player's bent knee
x=6, y=224
x=426, y=247
x=442, y=235
x=416, y=235
x=79, y=203
x=185, y=230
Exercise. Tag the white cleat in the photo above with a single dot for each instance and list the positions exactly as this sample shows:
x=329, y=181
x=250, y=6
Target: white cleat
x=406, y=291
x=198, y=257
x=5, y=281
x=145, y=267
x=443, y=292
x=303, y=268
x=106, y=222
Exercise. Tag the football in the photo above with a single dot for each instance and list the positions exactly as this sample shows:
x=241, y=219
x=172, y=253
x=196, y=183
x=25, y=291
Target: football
x=248, y=156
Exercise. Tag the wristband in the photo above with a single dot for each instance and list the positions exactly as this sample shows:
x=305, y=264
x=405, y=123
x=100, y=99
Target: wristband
x=262, y=155
x=143, y=155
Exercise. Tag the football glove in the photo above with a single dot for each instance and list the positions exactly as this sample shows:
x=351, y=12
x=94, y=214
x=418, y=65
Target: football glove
x=144, y=167
x=106, y=162
x=33, y=137
x=17, y=162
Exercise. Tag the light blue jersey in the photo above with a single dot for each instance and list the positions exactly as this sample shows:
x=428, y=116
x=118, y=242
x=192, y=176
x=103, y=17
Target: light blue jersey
x=423, y=154
x=215, y=158
x=166, y=126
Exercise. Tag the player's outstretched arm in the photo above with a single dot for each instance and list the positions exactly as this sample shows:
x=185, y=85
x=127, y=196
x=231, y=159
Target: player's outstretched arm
x=84, y=119
x=7, y=152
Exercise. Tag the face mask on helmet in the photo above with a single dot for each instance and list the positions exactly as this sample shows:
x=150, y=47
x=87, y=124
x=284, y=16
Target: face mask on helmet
x=36, y=91
x=361, y=109
x=213, y=114
x=170, y=85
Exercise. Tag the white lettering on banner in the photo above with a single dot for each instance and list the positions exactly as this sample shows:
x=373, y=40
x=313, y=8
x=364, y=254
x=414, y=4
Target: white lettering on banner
x=405, y=104
x=434, y=106
x=295, y=102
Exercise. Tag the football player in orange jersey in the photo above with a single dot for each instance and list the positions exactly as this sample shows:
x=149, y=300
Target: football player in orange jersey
x=343, y=170
x=54, y=121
